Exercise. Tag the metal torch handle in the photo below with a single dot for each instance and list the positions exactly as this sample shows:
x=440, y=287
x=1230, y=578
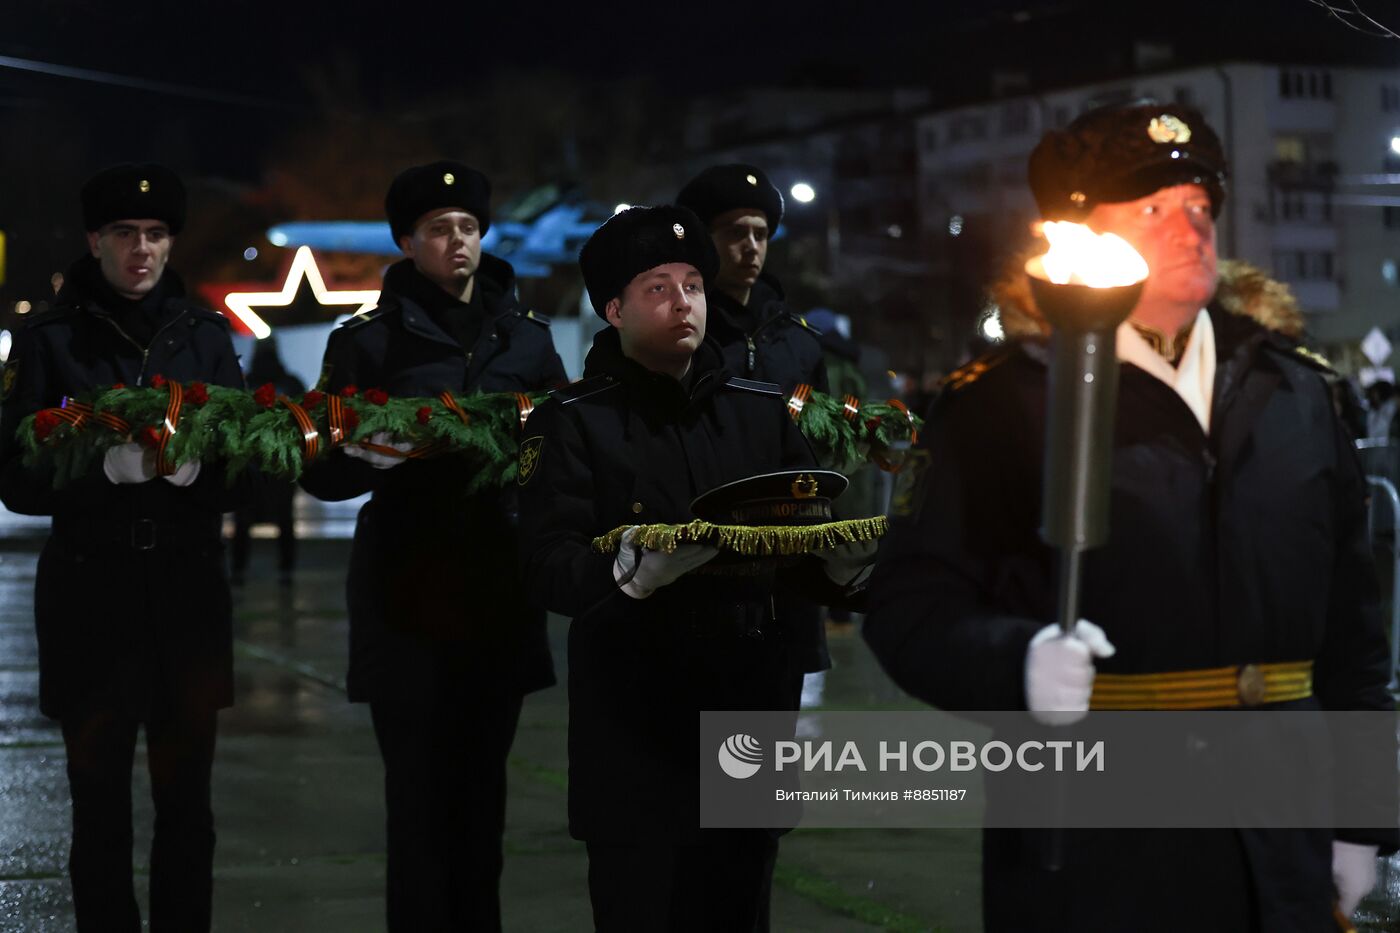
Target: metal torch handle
x=1078, y=454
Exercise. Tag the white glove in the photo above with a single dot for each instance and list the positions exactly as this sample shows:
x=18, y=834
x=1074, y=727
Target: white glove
x=849, y=564
x=129, y=463
x=640, y=571
x=184, y=474
x=373, y=457
x=1060, y=671
x=1354, y=873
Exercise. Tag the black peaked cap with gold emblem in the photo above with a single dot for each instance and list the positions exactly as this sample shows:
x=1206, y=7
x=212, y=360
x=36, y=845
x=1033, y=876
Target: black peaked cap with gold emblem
x=436, y=186
x=641, y=238
x=134, y=191
x=790, y=497
x=1122, y=153
x=721, y=188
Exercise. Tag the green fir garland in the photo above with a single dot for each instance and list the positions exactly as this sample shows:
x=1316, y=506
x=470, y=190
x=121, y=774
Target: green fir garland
x=258, y=428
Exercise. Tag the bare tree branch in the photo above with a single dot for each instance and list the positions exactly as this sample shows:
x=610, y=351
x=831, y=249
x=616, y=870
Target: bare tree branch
x=1351, y=15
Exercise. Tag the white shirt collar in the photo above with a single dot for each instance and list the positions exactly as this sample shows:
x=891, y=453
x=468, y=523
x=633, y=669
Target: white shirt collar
x=1193, y=378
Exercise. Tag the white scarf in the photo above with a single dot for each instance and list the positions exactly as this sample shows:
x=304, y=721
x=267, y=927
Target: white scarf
x=1193, y=378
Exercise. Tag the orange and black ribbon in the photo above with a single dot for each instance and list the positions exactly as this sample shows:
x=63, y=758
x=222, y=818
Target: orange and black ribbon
x=913, y=430
x=851, y=408
x=522, y=401
x=879, y=458
x=172, y=422
x=451, y=404
x=417, y=453
x=77, y=414
x=335, y=420
x=310, y=437
x=798, y=401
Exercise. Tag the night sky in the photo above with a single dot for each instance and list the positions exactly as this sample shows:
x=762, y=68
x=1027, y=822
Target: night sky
x=378, y=54
x=245, y=83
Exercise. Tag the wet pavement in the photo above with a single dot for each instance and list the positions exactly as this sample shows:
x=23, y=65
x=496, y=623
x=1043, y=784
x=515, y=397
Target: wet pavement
x=297, y=787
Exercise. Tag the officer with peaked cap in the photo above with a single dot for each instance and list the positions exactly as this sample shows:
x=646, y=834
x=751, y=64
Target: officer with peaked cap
x=443, y=642
x=132, y=604
x=1237, y=572
x=658, y=419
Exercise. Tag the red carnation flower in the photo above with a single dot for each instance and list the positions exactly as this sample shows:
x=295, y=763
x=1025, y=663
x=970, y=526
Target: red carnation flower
x=148, y=437
x=157, y=381
x=196, y=393
x=266, y=395
x=424, y=414
x=119, y=385
x=312, y=399
x=349, y=391
x=44, y=423
x=351, y=419
x=376, y=396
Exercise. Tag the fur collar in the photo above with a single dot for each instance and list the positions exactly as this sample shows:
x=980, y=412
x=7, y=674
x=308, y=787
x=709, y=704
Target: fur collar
x=1244, y=290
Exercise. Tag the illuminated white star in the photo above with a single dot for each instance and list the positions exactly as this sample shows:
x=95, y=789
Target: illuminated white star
x=241, y=304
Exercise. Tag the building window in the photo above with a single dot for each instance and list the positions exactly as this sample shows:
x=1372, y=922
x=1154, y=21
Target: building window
x=1290, y=149
x=1390, y=273
x=1015, y=118
x=1062, y=117
x=968, y=126
x=1304, y=265
x=1184, y=95
x=1305, y=84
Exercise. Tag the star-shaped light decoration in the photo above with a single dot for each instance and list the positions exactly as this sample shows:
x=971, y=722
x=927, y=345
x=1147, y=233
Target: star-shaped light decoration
x=303, y=273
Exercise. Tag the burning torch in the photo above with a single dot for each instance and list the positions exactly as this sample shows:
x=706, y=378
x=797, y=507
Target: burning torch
x=1085, y=286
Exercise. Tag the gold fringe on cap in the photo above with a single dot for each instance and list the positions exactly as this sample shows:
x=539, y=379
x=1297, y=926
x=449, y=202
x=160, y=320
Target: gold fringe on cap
x=749, y=540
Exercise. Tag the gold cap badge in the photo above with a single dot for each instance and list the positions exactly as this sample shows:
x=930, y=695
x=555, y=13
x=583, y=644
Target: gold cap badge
x=144, y=185
x=678, y=230
x=1168, y=129
x=751, y=180
x=448, y=178
x=804, y=487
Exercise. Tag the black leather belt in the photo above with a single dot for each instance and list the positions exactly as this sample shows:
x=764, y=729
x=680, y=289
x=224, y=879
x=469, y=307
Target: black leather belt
x=141, y=534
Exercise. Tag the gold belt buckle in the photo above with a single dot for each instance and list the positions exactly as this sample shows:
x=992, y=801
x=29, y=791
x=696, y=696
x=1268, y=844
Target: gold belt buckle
x=1252, y=686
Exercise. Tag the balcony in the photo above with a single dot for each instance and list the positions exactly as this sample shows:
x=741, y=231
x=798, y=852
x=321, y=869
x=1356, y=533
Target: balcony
x=1304, y=176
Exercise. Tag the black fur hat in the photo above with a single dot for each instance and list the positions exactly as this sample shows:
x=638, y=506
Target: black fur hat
x=134, y=191
x=436, y=186
x=641, y=238
x=721, y=188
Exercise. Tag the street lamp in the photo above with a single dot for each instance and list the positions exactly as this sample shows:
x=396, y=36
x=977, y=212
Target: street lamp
x=803, y=193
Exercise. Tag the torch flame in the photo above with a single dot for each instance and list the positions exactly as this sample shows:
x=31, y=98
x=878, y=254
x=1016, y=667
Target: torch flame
x=1079, y=256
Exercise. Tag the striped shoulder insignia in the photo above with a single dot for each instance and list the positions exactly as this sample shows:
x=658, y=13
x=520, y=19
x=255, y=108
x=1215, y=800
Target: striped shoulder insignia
x=1314, y=359
x=753, y=385
x=583, y=389
x=538, y=318
x=360, y=320
x=966, y=375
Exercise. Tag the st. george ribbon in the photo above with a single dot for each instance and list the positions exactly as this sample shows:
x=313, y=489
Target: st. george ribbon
x=1085, y=286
